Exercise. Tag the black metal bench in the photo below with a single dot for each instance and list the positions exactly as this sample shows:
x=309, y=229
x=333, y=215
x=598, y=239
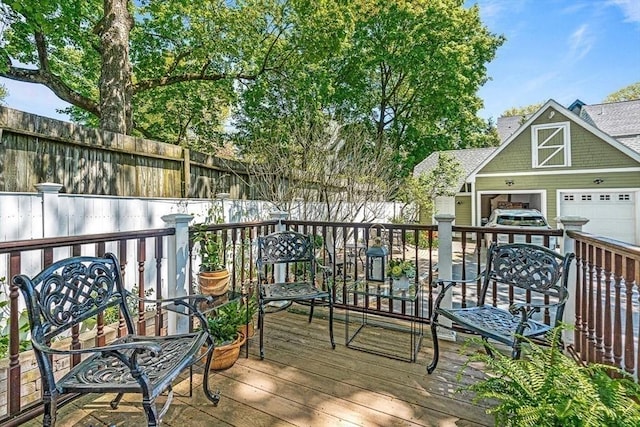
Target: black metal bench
x=76, y=289
x=534, y=277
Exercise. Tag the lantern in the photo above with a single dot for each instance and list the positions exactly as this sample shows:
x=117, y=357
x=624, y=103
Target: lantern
x=376, y=262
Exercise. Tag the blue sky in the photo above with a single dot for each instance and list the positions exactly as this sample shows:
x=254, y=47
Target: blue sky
x=560, y=49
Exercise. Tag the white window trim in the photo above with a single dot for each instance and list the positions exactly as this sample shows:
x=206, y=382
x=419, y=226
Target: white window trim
x=566, y=145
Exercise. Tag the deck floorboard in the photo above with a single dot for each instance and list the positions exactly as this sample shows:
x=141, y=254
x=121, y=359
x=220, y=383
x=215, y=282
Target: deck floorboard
x=303, y=382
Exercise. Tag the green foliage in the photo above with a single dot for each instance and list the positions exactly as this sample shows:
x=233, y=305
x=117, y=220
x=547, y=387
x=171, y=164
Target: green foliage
x=3, y=93
x=548, y=388
x=398, y=268
x=423, y=240
x=223, y=326
x=210, y=244
x=522, y=111
x=23, y=325
x=627, y=93
x=442, y=180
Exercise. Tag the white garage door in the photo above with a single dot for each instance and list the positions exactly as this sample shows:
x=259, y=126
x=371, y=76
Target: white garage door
x=610, y=214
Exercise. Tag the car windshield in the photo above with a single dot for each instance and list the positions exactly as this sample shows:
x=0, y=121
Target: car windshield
x=521, y=221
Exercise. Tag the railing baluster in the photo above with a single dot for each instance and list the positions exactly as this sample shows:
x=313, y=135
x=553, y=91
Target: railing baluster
x=585, y=302
x=122, y=256
x=159, y=318
x=599, y=349
x=591, y=323
x=617, y=314
x=629, y=335
x=142, y=257
x=608, y=327
x=14, y=374
x=100, y=338
x=577, y=333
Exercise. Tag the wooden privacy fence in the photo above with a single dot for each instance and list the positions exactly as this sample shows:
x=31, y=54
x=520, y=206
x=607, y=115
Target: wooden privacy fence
x=35, y=149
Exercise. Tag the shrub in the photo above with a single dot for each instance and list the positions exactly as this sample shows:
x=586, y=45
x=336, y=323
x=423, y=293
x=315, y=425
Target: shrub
x=548, y=388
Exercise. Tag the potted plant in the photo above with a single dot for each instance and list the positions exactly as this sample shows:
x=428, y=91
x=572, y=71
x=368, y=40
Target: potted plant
x=400, y=271
x=213, y=276
x=227, y=338
x=248, y=310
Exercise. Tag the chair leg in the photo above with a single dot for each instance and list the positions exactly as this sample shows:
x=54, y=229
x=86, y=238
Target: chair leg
x=485, y=341
x=516, y=349
x=261, y=328
x=311, y=309
x=116, y=401
x=436, y=349
x=212, y=396
x=151, y=412
x=50, y=409
x=333, y=344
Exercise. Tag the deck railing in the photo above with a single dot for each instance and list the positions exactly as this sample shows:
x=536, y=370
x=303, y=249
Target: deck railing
x=607, y=309
x=605, y=298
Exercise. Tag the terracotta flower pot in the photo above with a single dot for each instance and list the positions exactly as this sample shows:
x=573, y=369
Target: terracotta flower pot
x=213, y=282
x=248, y=330
x=224, y=356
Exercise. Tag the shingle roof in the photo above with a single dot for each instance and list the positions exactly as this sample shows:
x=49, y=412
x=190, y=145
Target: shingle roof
x=615, y=118
x=507, y=125
x=469, y=159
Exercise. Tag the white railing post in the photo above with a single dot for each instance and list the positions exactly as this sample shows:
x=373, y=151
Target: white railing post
x=51, y=221
x=574, y=223
x=178, y=267
x=445, y=266
x=279, y=270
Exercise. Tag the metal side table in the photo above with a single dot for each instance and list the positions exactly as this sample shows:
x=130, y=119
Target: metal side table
x=380, y=305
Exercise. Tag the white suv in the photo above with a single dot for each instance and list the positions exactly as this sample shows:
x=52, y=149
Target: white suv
x=518, y=219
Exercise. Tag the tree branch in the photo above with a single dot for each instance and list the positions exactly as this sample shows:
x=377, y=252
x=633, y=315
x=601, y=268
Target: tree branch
x=54, y=83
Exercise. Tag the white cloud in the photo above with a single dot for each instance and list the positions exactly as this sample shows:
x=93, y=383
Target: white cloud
x=630, y=9
x=580, y=42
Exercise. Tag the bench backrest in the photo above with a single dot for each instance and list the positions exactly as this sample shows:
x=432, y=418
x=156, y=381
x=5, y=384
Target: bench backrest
x=532, y=268
x=67, y=293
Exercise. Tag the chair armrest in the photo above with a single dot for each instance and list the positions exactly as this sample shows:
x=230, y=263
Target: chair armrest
x=528, y=308
x=447, y=284
x=184, y=301
x=326, y=273
x=139, y=346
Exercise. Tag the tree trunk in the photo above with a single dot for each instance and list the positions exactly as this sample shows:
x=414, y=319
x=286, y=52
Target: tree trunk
x=115, y=77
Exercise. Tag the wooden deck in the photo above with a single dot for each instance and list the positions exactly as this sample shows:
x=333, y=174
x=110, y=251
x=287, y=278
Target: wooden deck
x=303, y=382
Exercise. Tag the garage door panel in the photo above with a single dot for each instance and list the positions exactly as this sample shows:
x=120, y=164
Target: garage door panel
x=610, y=214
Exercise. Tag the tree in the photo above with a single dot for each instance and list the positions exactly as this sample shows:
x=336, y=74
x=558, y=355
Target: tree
x=406, y=72
x=3, y=93
x=125, y=63
x=332, y=170
x=522, y=111
x=423, y=189
x=627, y=93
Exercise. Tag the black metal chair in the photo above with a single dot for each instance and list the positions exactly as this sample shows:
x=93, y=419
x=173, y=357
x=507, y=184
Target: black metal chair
x=76, y=289
x=535, y=274
x=287, y=267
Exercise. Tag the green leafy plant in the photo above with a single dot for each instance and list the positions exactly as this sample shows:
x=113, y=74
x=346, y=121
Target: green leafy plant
x=23, y=325
x=249, y=309
x=210, y=244
x=548, y=388
x=398, y=268
x=223, y=326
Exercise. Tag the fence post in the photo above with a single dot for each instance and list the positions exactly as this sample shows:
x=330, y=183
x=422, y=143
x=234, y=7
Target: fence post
x=178, y=267
x=573, y=223
x=445, y=265
x=51, y=224
x=279, y=270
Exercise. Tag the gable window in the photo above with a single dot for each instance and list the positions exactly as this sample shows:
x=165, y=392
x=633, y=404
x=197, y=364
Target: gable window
x=550, y=145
